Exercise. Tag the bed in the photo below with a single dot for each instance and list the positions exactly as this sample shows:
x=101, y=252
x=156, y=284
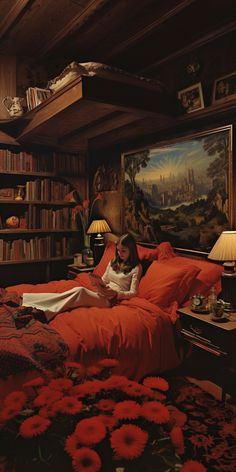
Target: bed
x=140, y=332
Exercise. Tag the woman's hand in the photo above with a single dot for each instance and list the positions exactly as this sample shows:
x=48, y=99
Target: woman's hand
x=108, y=293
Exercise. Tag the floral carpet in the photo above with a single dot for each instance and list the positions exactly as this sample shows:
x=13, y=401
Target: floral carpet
x=210, y=430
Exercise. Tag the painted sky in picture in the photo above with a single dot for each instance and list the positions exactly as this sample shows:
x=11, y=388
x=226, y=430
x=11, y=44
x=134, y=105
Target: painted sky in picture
x=175, y=160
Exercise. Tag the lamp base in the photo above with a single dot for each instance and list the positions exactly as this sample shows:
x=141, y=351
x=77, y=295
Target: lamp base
x=98, y=248
x=228, y=293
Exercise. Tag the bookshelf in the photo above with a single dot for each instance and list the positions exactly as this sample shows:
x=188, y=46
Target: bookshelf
x=44, y=230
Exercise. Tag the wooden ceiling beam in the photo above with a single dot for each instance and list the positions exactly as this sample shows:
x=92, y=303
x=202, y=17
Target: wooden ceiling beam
x=210, y=37
x=147, y=29
x=76, y=23
x=13, y=14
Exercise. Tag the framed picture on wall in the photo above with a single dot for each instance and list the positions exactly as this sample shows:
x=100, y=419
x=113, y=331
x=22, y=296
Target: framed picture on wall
x=191, y=98
x=224, y=89
x=180, y=190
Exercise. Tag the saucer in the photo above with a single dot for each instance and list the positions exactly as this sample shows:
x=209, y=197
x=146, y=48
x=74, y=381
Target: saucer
x=221, y=319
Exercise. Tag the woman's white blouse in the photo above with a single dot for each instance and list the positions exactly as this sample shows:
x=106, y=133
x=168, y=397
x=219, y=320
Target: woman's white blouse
x=126, y=285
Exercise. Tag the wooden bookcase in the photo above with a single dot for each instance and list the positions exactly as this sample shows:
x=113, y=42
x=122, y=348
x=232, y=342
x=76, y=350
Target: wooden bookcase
x=46, y=233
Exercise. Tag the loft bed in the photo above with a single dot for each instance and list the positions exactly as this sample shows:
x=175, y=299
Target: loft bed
x=88, y=100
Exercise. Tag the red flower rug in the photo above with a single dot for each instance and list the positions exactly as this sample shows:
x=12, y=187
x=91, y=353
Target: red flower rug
x=210, y=430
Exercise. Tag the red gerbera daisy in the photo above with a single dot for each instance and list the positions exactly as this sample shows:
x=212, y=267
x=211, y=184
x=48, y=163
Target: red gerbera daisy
x=108, y=421
x=69, y=405
x=34, y=426
x=86, y=460
x=156, y=382
x=128, y=409
x=47, y=396
x=192, y=466
x=9, y=412
x=177, y=439
x=37, y=382
x=15, y=399
x=108, y=363
x=177, y=417
x=128, y=441
x=156, y=412
x=93, y=370
x=48, y=411
x=105, y=404
x=72, y=445
x=134, y=389
x=90, y=387
x=115, y=381
x=90, y=431
x=60, y=384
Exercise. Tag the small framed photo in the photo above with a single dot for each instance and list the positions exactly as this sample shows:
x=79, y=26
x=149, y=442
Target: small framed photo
x=224, y=88
x=191, y=98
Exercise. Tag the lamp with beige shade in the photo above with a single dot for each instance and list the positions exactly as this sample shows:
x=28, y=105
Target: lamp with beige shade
x=98, y=228
x=225, y=250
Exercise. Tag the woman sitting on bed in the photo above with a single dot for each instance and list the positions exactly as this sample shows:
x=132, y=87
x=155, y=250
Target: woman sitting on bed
x=120, y=281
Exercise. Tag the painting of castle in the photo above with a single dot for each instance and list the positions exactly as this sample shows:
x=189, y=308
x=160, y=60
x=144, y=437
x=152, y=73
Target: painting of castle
x=180, y=191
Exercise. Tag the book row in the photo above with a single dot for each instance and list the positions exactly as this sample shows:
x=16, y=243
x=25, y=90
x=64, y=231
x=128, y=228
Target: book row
x=34, y=248
x=46, y=189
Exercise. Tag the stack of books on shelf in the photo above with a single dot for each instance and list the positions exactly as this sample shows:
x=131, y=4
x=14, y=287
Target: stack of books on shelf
x=35, y=96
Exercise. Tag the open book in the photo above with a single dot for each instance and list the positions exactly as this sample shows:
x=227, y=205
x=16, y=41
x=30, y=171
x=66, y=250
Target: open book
x=96, y=280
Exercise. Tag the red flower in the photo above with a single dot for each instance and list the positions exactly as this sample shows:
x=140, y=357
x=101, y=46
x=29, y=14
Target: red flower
x=134, y=389
x=69, y=405
x=90, y=387
x=9, y=412
x=15, y=399
x=86, y=460
x=90, y=431
x=192, y=466
x=108, y=363
x=156, y=412
x=116, y=382
x=128, y=441
x=34, y=426
x=177, y=439
x=156, y=382
x=127, y=409
x=47, y=396
x=48, y=411
x=108, y=421
x=72, y=445
x=93, y=370
x=177, y=417
x=105, y=404
x=37, y=382
x=60, y=384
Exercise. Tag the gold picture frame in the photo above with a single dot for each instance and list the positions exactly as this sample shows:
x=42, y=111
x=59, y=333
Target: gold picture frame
x=180, y=190
x=224, y=89
x=191, y=98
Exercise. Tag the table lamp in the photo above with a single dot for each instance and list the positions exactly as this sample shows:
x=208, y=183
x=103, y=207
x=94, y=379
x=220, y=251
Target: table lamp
x=98, y=228
x=225, y=250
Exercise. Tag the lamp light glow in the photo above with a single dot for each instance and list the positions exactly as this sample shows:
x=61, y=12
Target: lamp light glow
x=98, y=227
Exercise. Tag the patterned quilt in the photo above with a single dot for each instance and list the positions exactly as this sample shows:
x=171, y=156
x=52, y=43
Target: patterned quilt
x=34, y=346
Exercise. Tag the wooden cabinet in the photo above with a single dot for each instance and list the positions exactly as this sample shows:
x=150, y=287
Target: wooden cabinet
x=44, y=228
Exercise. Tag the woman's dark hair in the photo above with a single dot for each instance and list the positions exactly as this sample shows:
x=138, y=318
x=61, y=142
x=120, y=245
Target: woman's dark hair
x=126, y=240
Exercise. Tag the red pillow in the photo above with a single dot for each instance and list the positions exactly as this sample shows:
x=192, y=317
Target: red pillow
x=208, y=275
x=147, y=253
x=162, y=284
x=165, y=251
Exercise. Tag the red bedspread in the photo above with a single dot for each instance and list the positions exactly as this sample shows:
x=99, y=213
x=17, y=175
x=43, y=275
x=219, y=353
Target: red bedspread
x=137, y=332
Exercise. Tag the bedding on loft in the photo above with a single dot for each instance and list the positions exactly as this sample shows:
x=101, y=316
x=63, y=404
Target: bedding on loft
x=140, y=332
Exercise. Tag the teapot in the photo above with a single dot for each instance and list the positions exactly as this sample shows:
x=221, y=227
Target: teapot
x=14, y=105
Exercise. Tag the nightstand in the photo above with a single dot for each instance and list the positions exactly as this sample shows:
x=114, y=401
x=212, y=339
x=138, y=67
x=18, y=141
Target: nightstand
x=78, y=270
x=217, y=340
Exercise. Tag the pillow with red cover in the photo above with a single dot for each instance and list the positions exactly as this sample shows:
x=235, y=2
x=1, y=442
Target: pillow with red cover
x=208, y=275
x=144, y=253
x=162, y=284
x=165, y=251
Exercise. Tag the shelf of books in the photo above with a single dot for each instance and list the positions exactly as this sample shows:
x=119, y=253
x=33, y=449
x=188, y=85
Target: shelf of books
x=37, y=219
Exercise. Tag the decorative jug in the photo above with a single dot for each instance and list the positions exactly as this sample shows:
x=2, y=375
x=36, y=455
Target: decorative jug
x=14, y=105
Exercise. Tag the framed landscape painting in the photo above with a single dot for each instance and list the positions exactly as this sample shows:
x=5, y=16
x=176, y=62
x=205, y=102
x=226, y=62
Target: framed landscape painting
x=180, y=191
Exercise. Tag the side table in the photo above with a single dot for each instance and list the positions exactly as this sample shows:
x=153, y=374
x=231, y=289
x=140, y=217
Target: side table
x=73, y=270
x=216, y=339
